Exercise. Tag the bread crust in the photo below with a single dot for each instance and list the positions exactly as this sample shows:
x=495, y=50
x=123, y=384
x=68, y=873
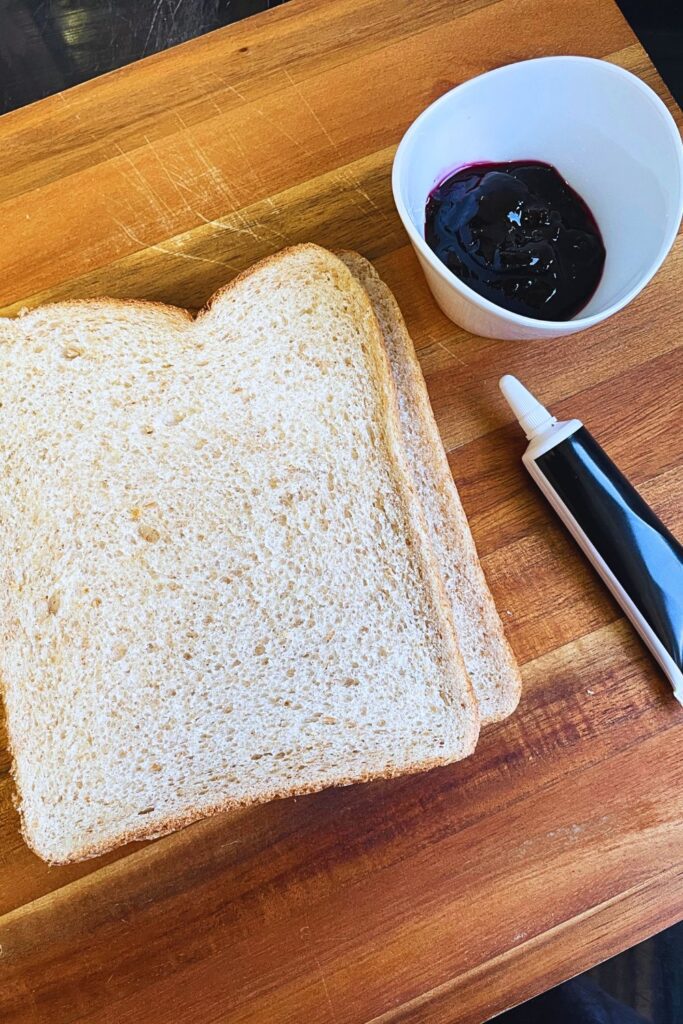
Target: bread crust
x=459, y=548
x=195, y=814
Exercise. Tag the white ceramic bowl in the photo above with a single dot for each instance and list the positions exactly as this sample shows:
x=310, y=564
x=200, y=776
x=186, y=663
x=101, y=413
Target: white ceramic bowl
x=605, y=131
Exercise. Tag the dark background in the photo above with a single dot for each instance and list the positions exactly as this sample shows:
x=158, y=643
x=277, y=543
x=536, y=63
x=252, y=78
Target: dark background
x=48, y=45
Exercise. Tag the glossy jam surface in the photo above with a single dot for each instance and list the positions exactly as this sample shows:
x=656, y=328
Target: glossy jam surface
x=517, y=234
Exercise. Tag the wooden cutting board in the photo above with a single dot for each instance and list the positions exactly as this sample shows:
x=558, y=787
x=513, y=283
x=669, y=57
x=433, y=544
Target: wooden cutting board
x=439, y=898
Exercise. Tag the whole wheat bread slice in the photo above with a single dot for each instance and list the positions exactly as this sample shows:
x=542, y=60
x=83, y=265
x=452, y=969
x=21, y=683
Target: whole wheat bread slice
x=218, y=582
x=488, y=658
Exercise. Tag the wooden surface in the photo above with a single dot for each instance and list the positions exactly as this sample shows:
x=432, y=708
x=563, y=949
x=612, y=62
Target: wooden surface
x=440, y=898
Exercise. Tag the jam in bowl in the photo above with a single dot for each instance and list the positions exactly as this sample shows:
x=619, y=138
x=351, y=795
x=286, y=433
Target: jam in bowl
x=518, y=235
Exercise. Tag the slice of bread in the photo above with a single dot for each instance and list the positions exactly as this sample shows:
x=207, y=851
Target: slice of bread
x=487, y=655
x=218, y=583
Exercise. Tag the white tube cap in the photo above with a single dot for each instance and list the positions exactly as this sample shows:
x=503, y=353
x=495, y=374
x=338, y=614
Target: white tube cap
x=533, y=418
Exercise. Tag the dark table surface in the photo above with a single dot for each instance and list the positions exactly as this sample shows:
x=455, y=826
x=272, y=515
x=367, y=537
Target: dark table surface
x=49, y=45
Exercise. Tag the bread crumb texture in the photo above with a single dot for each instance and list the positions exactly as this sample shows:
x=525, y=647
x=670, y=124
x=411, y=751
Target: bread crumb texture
x=218, y=587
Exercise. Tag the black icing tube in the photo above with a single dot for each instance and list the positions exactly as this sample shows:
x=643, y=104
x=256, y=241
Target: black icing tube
x=637, y=557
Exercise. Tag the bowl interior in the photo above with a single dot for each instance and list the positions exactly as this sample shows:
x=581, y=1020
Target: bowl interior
x=604, y=132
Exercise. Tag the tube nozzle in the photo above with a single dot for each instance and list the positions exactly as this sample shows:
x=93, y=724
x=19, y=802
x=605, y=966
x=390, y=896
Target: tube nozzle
x=533, y=418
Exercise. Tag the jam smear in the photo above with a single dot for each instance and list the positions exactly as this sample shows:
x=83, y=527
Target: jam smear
x=519, y=235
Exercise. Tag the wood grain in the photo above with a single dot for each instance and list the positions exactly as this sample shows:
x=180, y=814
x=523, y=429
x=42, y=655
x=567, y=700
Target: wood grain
x=428, y=900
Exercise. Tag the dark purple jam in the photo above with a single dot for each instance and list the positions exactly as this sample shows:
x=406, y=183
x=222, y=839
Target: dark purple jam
x=517, y=234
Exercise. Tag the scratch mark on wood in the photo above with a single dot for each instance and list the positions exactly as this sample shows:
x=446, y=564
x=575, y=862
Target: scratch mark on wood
x=351, y=177
x=247, y=229
x=179, y=254
x=447, y=350
x=147, y=190
x=215, y=177
x=231, y=88
x=224, y=188
x=333, y=1015
x=255, y=172
x=225, y=86
x=258, y=177
x=305, y=933
x=268, y=200
x=172, y=181
x=278, y=128
x=227, y=227
x=301, y=94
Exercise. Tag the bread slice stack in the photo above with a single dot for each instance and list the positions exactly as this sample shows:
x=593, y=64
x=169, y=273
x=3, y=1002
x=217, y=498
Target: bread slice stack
x=235, y=563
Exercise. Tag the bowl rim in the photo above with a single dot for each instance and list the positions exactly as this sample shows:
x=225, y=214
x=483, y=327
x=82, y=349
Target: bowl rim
x=449, y=278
